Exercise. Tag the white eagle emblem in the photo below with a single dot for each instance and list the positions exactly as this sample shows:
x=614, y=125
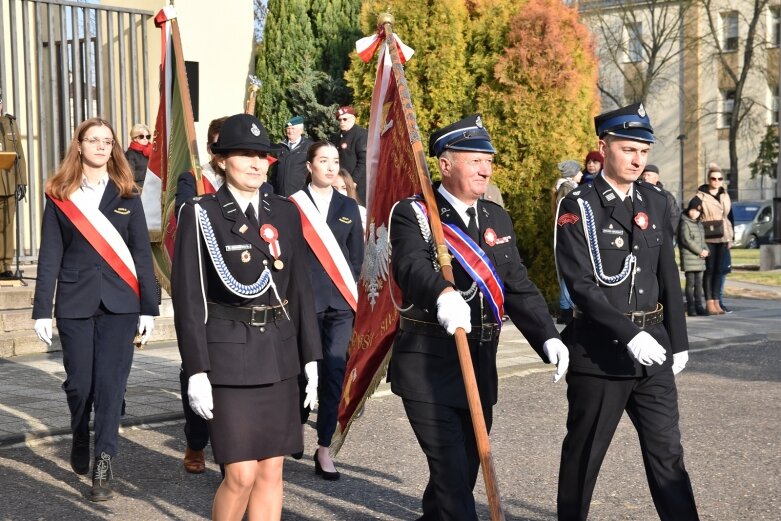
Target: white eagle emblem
x=376, y=262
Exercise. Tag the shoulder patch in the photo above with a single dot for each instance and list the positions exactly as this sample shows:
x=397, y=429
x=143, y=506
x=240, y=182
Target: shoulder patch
x=567, y=218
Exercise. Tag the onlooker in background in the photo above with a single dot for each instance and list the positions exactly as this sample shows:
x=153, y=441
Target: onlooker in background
x=726, y=268
x=345, y=185
x=569, y=177
x=351, y=141
x=288, y=175
x=594, y=162
x=716, y=206
x=694, y=251
x=95, y=252
x=651, y=176
x=138, y=152
x=13, y=187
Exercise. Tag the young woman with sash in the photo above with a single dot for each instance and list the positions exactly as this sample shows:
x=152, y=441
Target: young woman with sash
x=245, y=322
x=95, y=249
x=333, y=230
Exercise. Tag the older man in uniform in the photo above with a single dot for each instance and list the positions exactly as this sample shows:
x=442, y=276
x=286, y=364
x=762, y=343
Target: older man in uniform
x=352, y=140
x=628, y=338
x=489, y=281
x=13, y=186
x=288, y=174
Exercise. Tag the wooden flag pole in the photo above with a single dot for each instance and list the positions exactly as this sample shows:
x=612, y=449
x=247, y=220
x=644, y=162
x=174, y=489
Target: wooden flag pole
x=445, y=261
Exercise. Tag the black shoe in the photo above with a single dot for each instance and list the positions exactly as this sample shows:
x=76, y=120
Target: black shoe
x=724, y=308
x=702, y=312
x=101, y=479
x=297, y=455
x=328, y=476
x=7, y=274
x=80, y=454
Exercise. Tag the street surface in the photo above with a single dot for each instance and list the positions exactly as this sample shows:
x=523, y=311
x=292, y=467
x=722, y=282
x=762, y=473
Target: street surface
x=730, y=410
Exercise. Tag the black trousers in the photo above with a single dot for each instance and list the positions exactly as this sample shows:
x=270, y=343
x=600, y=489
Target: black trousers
x=336, y=328
x=196, y=429
x=97, y=353
x=596, y=404
x=712, y=280
x=448, y=440
x=694, y=294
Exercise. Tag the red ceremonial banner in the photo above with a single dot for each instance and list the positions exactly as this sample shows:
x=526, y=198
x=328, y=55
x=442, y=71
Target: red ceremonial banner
x=391, y=176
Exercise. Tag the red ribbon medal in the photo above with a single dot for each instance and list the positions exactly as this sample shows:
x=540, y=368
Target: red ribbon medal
x=641, y=220
x=270, y=234
x=489, y=236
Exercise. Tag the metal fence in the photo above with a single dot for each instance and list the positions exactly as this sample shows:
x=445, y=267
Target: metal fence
x=62, y=62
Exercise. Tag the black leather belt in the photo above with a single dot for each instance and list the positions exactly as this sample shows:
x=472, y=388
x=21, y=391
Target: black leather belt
x=640, y=318
x=255, y=316
x=486, y=333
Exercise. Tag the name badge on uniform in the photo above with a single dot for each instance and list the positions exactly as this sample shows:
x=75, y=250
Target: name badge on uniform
x=237, y=247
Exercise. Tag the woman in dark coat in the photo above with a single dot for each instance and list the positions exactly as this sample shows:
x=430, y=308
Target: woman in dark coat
x=138, y=152
x=245, y=321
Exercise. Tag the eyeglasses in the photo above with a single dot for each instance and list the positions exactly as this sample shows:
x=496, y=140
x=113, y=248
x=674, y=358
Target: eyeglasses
x=143, y=136
x=95, y=141
x=716, y=178
x=345, y=118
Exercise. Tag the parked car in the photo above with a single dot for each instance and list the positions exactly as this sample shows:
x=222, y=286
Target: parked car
x=753, y=223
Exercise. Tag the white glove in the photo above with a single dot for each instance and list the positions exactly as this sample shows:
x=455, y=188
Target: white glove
x=558, y=354
x=645, y=349
x=146, y=324
x=310, y=370
x=453, y=312
x=679, y=361
x=199, y=393
x=43, y=328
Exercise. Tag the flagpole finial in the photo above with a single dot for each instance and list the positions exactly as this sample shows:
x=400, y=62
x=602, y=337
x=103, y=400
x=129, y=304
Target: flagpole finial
x=385, y=18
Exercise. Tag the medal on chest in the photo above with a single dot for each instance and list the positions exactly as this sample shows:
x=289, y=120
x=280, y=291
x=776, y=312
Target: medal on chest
x=641, y=220
x=270, y=234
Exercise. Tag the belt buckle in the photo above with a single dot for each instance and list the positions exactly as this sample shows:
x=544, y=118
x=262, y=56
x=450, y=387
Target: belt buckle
x=486, y=333
x=639, y=314
x=252, y=320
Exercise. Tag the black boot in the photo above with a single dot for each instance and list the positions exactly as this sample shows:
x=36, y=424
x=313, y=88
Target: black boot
x=701, y=311
x=691, y=310
x=101, y=479
x=80, y=453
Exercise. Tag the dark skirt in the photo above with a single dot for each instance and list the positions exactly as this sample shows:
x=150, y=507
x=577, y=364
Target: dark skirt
x=255, y=423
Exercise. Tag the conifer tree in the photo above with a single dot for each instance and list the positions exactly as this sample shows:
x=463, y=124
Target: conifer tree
x=440, y=83
x=286, y=53
x=538, y=95
x=335, y=27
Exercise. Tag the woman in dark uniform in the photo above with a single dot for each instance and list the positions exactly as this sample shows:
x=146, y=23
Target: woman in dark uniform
x=245, y=321
x=333, y=230
x=95, y=251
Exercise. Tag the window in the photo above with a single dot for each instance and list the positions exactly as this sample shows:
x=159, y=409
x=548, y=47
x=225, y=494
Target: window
x=774, y=30
x=634, y=38
x=727, y=106
x=729, y=29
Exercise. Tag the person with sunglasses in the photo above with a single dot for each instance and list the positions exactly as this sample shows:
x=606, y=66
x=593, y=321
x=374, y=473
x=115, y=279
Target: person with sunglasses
x=138, y=152
x=716, y=205
x=352, y=140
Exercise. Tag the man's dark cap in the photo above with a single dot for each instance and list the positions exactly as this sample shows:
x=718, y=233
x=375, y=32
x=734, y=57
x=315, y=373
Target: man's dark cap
x=630, y=122
x=467, y=135
x=243, y=132
x=651, y=168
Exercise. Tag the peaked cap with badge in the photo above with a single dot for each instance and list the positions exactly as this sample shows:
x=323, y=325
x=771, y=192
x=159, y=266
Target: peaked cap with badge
x=467, y=135
x=630, y=122
x=243, y=132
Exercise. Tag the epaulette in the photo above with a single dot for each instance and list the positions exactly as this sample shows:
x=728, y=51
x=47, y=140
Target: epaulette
x=580, y=191
x=649, y=188
x=491, y=202
x=201, y=198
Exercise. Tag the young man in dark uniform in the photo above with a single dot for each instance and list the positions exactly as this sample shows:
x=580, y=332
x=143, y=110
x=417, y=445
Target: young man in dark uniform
x=288, y=174
x=424, y=368
x=13, y=186
x=351, y=140
x=614, y=250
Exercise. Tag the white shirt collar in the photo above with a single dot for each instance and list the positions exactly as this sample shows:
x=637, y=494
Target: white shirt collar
x=621, y=195
x=458, y=205
x=243, y=202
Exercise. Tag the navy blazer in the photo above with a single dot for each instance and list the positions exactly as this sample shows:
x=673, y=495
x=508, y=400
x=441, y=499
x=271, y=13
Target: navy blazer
x=344, y=219
x=83, y=278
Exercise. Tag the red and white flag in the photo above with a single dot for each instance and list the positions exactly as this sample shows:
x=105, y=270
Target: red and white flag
x=391, y=176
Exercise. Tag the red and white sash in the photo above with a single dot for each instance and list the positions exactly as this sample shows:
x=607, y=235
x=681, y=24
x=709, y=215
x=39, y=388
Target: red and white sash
x=101, y=235
x=323, y=243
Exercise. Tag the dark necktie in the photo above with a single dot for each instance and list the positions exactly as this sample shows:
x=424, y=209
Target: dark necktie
x=250, y=213
x=471, y=227
x=629, y=206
